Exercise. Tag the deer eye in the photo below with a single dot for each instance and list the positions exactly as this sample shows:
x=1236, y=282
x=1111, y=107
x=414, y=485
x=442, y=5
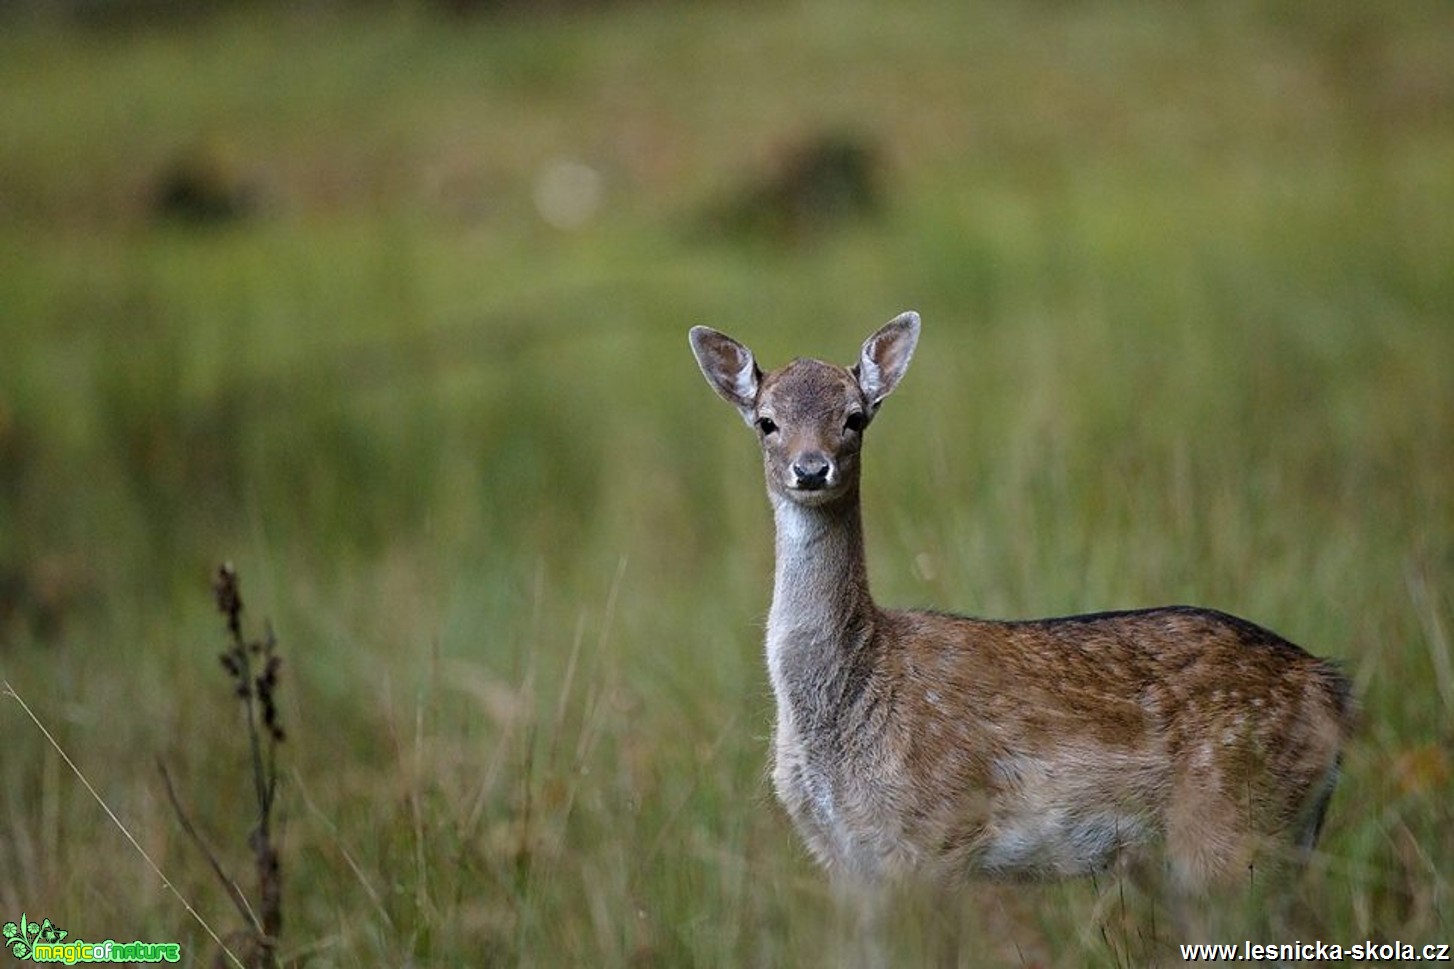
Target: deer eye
x=766, y=426
x=855, y=421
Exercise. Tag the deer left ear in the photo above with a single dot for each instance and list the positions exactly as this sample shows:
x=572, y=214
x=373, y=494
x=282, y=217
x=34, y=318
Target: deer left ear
x=885, y=356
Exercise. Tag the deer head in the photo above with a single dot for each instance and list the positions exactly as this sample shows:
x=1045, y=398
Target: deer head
x=809, y=415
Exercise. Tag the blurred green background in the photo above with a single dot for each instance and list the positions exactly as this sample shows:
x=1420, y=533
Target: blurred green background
x=387, y=303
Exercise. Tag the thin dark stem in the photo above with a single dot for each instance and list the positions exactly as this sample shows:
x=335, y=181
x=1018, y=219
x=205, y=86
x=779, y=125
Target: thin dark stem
x=254, y=668
x=239, y=900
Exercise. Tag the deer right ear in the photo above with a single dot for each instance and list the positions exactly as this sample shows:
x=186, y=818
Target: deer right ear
x=729, y=367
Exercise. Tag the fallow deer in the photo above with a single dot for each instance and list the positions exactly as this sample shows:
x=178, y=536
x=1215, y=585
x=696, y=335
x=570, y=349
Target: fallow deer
x=942, y=747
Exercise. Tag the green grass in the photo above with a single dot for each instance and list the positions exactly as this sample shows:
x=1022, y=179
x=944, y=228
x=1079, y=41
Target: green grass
x=1187, y=279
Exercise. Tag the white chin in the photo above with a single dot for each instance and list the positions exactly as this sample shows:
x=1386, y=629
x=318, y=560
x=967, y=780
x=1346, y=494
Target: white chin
x=819, y=496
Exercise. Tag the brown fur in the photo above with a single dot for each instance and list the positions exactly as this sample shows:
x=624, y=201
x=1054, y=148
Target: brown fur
x=941, y=746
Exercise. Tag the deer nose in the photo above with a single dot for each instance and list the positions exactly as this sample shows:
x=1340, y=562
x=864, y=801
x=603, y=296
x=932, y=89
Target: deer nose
x=811, y=470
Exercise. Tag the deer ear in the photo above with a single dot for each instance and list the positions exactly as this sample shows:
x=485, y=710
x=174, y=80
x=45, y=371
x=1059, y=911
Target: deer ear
x=885, y=356
x=729, y=368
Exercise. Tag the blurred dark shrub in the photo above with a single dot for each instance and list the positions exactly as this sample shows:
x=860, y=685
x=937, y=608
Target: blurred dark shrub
x=202, y=187
x=819, y=184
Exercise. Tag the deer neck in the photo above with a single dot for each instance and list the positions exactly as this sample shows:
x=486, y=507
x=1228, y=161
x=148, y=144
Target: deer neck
x=822, y=617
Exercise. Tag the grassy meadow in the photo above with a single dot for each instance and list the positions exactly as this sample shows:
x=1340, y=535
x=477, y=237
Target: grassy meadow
x=1187, y=281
